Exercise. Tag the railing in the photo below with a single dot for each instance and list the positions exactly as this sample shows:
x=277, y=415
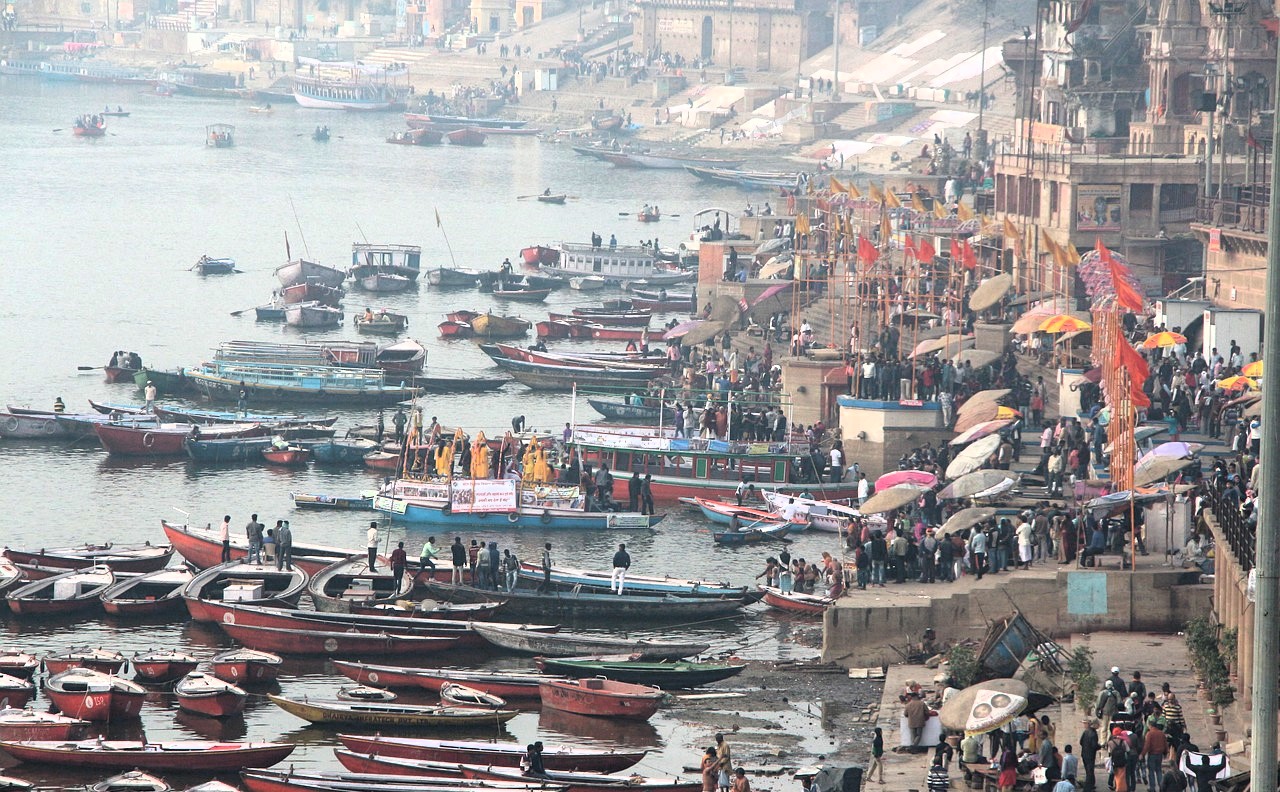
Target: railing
x=1245, y=213
x=1238, y=534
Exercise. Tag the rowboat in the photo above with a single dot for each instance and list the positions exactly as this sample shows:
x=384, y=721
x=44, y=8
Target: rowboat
x=555, y=756
x=10, y=575
x=232, y=449
x=585, y=329
x=286, y=455
x=31, y=427
x=319, y=621
x=587, y=782
x=416, y=137
x=302, y=781
x=203, y=549
x=270, y=312
x=648, y=160
x=331, y=502
x=384, y=283
x=723, y=513
x=624, y=668
x=335, y=643
x=245, y=666
x=464, y=696
x=777, y=532
x=490, y=325
x=312, y=315
x=205, y=694
x=739, y=178
x=301, y=271
x=276, y=420
x=364, y=693
x=374, y=714
x=452, y=329
x=342, y=452
x=29, y=724
x=126, y=439
x=89, y=127
x=168, y=382
x=522, y=295
x=572, y=577
x=158, y=666
x=105, y=661
x=382, y=323
x=539, y=255
x=597, y=606
x=466, y=137
x=212, y=786
x=575, y=644
x=609, y=318
x=453, y=277
x=601, y=698
x=795, y=602
x=177, y=756
x=348, y=586
x=631, y=413
x=15, y=692
x=552, y=199
x=130, y=558
x=587, y=283
x=249, y=584
x=153, y=594
x=222, y=380
x=823, y=516
x=312, y=292
x=18, y=664
x=382, y=460
x=93, y=696
x=492, y=125
x=507, y=684
x=460, y=384
x=61, y=595
x=131, y=781
x=541, y=376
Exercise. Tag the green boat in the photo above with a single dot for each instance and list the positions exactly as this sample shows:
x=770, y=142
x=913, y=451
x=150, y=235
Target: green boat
x=671, y=675
x=168, y=383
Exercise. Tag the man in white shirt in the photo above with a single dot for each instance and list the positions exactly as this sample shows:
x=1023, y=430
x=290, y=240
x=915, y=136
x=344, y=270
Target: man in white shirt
x=864, y=487
x=224, y=533
x=149, y=393
x=1025, y=538
x=372, y=544
x=837, y=465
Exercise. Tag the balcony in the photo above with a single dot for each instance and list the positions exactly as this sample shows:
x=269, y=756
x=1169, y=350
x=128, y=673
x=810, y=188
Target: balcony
x=1245, y=210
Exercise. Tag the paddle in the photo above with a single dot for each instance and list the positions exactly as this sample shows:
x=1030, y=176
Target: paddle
x=89, y=368
x=60, y=129
x=241, y=311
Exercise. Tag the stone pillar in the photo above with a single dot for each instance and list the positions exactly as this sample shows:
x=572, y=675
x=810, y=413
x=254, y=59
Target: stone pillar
x=991, y=337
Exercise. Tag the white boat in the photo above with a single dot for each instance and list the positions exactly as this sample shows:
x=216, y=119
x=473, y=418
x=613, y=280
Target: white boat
x=613, y=264
x=312, y=314
x=385, y=282
x=303, y=271
x=587, y=283
x=403, y=260
x=351, y=93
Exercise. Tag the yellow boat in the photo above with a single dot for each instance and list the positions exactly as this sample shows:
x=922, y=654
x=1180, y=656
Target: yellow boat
x=368, y=713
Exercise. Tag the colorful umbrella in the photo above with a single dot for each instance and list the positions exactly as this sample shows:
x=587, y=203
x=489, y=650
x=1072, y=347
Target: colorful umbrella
x=1030, y=321
x=922, y=479
x=990, y=411
x=1063, y=323
x=1237, y=382
x=1253, y=369
x=1165, y=338
x=985, y=707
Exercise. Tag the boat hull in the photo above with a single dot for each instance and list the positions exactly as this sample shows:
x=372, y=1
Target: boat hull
x=392, y=714
x=41, y=726
x=497, y=754
x=220, y=705
x=188, y=757
x=601, y=698
x=161, y=671
x=805, y=604
x=303, y=271
x=587, y=606
x=434, y=514
x=506, y=685
x=333, y=643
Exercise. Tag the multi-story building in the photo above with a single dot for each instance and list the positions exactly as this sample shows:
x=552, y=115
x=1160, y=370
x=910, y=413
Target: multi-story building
x=754, y=34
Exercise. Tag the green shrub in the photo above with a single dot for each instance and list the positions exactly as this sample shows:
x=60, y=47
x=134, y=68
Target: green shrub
x=1080, y=670
x=963, y=663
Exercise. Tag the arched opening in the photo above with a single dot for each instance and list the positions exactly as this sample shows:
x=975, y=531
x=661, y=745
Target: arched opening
x=707, y=26
x=526, y=16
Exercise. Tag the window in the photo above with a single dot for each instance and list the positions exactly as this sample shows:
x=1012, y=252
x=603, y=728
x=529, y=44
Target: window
x=1140, y=198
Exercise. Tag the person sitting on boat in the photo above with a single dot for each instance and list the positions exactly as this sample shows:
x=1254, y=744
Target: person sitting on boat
x=547, y=191
x=115, y=359
x=532, y=763
x=58, y=406
x=368, y=314
x=662, y=295
x=119, y=108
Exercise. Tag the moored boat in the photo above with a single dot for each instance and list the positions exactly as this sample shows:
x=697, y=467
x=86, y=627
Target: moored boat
x=562, y=644
x=601, y=698
x=245, y=666
x=587, y=782
x=631, y=413
x=231, y=449
x=598, y=606
x=348, y=586
x=15, y=663
x=466, y=137
x=334, y=642
x=312, y=292
x=15, y=692
x=453, y=277
x=303, y=500
x=507, y=684
x=403, y=260
x=302, y=781
x=339, y=452
x=301, y=270
x=587, y=283
x=312, y=315
x=463, y=696
x=153, y=594
x=125, y=439
x=181, y=756
x=590, y=579
x=158, y=666
x=406, y=357
x=93, y=696
x=132, y=558
x=29, y=724
x=493, y=326
x=276, y=383
x=384, y=283
x=416, y=137
x=555, y=756
x=203, y=549
x=364, y=693
x=105, y=661
x=246, y=583
x=775, y=532
x=623, y=668
x=31, y=427
x=379, y=714
x=609, y=318
x=381, y=323
x=131, y=781
x=61, y=595
x=522, y=295
x=794, y=602
x=205, y=694
x=286, y=455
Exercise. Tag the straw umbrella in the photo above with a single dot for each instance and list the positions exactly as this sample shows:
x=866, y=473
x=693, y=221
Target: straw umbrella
x=890, y=499
x=977, y=357
x=990, y=291
x=970, y=484
x=966, y=518
x=988, y=412
x=980, y=431
x=973, y=457
x=986, y=706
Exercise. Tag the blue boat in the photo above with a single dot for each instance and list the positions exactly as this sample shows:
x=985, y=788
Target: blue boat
x=341, y=452
x=189, y=415
x=269, y=313
x=631, y=413
x=235, y=449
x=750, y=536
x=303, y=500
x=279, y=382
x=435, y=513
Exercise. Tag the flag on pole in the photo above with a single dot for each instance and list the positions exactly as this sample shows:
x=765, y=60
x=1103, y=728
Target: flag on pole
x=867, y=252
x=836, y=186
x=967, y=257
x=802, y=224
x=939, y=209
x=925, y=251
x=891, y=200
x=438, y=223
x=1011, y=237
x=918, y=204
x=984, y=223
x=1073, y=255
x=956, y=252
x=908, y=247
x=886, y=230
x=876, y=194
x=853, y=191
x=963, y=212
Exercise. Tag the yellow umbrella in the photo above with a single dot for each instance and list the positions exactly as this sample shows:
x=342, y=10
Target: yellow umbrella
x=1253, y=369
x=1237, y=383
x=1063, y=323
x=1165, y=338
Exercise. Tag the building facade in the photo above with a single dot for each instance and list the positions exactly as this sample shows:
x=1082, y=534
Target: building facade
x=751, y=34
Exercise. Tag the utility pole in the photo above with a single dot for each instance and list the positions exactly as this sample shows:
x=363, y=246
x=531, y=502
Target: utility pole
x=835, y=40
x=729, y=73
x=982, y=84
x=1209, y=71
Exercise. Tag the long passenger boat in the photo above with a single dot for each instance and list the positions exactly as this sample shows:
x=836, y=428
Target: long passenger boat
x=282, y=383
x=616, y=264
x=77, y=71
x=512, y=505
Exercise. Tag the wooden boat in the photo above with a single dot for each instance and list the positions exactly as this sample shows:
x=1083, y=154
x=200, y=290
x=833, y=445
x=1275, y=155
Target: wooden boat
x=232, y=449
x=331, y=502
x=601, y=698
x=89, y=127
x=555, y=756
x=301, y=271
x=348, y=586
x=214, y=266
x=561, y=644
x=464, y=696
x=460, y=384
x=375, y=714
x=335, y=643
x=364, y=693
x=406, y=357
x=466, y=137
x=587, y=283
x=648, y=215
x=244, y=583
x=301, y=781
x=539, y=256
x=153, y=594
x=124, y=439
x=158, y=666
x=311, y=383
x=115, y=113
x=11, y=784
x=382, y=460
x=212, y=786
x=312, y=292
x=543, y=376
x=203, y=549
x=15, y=692
x=595, y=606
x=246, y=666
x=625, y=668
x=320, y=135
x=286, y=455
x=776, y=532
x=32, y=427
x=61, y=595
x=492, y=326
x=494, y=125
x=522, y=295
x=453, y=277
x=581, y=329
x=631, y=413
x=114, y=374
x=29, y=724
x=205, y=694
x=586, y=782
x=312, y=315
x=428, y=624
x=552, y=199
x=590, y=579
x=18, y=664
x=452, y=329
x=384, y=283
x=105, y=661
x=609, y=318
x=794, y=602
x=271, y=312
x=416, y=137
x=168, y=382
x=131, y=558
x=383, y=323
x=342, y=452
x=507, y=684
x=131, y=781
x=94, y=696
x=172, y=756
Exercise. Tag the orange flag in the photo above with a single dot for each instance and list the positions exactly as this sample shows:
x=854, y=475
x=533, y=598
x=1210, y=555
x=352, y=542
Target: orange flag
x=967, y=256
x=836, y=186
x=853, y=192
x=1011, y=236
x=908, y=247
x=885, y=229
x=891, y=199
x=963, y=212
x=1131, y=359
x=925, y=251
x=1126, y=296
x=876, y=194
x=867, y=252
x=939, y=209
x=917, y=204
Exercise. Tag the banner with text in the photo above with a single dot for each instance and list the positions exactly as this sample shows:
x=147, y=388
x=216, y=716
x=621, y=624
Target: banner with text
x=484, y=495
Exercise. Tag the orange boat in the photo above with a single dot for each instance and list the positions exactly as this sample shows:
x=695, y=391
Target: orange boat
x=600, y=697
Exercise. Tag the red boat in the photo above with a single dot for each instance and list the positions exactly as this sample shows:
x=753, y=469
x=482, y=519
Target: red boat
x=602, y=333
x=182, y=756
x=119, y=373
x=121, y=558
x=463, y=316
x=15, y=692
x=290, y=456
x=91, y=126
x=499, y=754
x=310, y=642
x=153, y=594
x=615, y=319
x=244, y=666
x=312, y=292
x=507, y=684
x=252, y=584
x=584, y=782
x=165, y=439
x=61, y=595
x=28, y=724
x=540, y=255
x=466, y=137
x=18, y=664
x=94, y=696
x=552, y=329
x=205, y=694
x=601, y=697
x=287, y=619
x=452, y=329
x=417, y=137
x=808, y=604
x=162, y=665
x=203, y=549
x=382, y=460
x=104, y=661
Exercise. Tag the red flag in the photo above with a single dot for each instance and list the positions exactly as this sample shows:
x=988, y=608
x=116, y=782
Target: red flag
x=1132, y=359
x=1102, y=250
x=967, y=256
x=867, y=252
x=1139, y=397
x=925, y=252
x=909, y=247
x=956, y=253
x=1126, y=296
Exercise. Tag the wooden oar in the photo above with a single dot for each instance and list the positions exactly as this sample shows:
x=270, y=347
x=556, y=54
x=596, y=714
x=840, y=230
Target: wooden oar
x=242, y=310
x=89, y=368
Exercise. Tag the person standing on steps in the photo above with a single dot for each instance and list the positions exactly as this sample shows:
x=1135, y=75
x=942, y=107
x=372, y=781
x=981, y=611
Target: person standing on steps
x=371, y=544
x=224, y=533
x=621, y=563
x=877, y=756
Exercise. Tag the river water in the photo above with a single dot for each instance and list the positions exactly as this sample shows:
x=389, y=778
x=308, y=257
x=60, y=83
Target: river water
x=96, y=242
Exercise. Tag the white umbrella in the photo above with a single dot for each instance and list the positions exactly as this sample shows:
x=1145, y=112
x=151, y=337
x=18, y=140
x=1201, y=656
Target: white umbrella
x=973, y=456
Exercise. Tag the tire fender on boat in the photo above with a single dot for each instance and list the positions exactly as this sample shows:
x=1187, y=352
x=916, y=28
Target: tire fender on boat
x=513, y=518
x=49, y=427
x=11, y=425
x=482, y=515
x=546, y=516
x=447, y=508
x=148, y=440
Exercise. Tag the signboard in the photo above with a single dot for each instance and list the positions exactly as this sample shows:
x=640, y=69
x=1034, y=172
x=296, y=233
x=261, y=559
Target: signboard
x=682, y=26
x=389, y=505
x=628, y=521
x=483, y=495
x=1098, y=207
x=1215, y=239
